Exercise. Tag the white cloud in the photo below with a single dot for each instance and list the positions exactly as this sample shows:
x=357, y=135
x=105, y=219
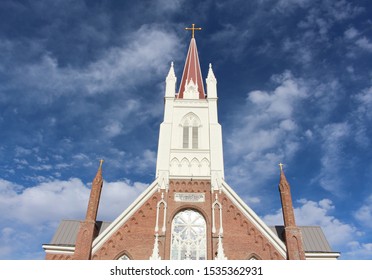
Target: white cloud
x=351, y=33
x=309, y=134
x=332, y=161
x=30, y=215
x=285, y=5
x=113, y=129
x=361, y=117
x=288, y=125
x=114, y=76
x=364, y=213
x=144, y=162
x=318, y=213
x=364, y=43
x=44, y=203
x=166, y=6
x=117, y=196
x=55, y=200
x=234, y=38
x=265, y=130
x=364, y=99
x=118, y=67
x=357, y=250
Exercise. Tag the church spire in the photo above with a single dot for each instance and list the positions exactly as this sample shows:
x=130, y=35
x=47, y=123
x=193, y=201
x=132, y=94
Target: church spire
x=95, y=194
x=192, y=86
x=87, y=230
x=285, y=193
x=293, y=234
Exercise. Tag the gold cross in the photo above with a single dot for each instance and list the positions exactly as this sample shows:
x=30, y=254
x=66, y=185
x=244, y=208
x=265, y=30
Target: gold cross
x=281, y=166
x=193, y=28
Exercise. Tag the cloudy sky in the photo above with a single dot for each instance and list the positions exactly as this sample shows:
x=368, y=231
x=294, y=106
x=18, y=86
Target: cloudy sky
x=84, y=80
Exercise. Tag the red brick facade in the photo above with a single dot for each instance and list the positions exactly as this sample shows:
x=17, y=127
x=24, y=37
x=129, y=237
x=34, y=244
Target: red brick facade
x=135, y=237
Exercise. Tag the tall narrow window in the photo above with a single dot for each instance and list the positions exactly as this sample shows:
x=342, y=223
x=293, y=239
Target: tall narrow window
x=195, y=131
x=190, y=125
x=185, y=137
x=189, y=236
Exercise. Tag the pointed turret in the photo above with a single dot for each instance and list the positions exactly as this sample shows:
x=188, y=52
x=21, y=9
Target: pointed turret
x=170, y=83
x=95, y=195
x=285, y=193
x=293, y=234
x=191, y=86
x=87, y=231
x=211, y=83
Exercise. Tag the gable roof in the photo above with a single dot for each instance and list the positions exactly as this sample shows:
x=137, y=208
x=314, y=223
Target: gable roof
x=313, y=236
x=67, y=231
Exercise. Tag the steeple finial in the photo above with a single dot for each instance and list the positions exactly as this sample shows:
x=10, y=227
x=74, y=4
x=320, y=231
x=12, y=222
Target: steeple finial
x=100, y=163
x=192, y=86
x=281, y=167
x=193, y=28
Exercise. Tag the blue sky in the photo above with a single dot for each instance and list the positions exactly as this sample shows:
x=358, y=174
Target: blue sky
x=84, y=80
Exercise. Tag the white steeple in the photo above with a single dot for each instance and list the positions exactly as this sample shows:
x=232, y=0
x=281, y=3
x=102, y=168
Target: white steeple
x=190, y=138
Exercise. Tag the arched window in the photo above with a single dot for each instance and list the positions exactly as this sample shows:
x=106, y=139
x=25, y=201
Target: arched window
x=124, y=258
x=189, y=236
x=190, y=131
x=253, y=257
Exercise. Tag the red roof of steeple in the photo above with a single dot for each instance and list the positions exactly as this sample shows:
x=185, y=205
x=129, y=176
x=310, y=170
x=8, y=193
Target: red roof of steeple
x=192, y=71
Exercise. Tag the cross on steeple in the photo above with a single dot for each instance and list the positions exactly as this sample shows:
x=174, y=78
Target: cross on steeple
x=193, y=28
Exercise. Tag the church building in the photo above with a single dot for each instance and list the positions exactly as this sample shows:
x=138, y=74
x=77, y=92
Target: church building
x=189, y=211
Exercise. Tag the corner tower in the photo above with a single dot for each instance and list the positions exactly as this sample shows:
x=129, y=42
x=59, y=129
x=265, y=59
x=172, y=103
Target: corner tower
x=292, y=233
x=87, y=230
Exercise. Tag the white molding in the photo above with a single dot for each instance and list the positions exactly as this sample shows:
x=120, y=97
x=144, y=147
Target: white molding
x=322, y=256
x=254, y=219
x=196, y=103
x=56, y=249
x=119, y=221
x=187, y=151
x=189, y=177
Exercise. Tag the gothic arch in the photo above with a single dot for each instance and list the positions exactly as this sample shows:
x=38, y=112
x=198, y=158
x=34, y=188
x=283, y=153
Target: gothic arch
x=191, y=207
x=253, y=256
x=204, y=167
x=175, y=166
x=195, y=169
x=189, y=126
x=190, y=119
x=188, y=236
x=123, y=255
x=185, y=167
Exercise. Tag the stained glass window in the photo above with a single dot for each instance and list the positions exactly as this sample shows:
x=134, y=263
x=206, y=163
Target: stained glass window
x=189, y=236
